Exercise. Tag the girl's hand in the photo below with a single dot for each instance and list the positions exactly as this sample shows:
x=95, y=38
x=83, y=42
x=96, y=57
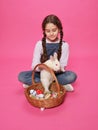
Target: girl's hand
x=37, y=69
x=62, y=69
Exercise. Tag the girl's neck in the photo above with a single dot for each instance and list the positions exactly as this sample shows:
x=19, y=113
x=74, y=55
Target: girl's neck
x=54, y=41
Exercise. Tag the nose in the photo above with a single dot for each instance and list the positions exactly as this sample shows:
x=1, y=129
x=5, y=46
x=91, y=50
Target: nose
x=51, y=33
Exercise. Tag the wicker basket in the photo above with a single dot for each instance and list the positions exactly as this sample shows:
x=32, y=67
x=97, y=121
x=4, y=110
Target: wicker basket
x=50, y=102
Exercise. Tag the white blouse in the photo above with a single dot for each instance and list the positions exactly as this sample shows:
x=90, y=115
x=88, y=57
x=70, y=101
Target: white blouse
x=39, y=50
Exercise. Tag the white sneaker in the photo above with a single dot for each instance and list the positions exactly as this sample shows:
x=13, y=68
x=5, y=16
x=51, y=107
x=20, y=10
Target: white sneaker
x=68, y=87
x=25, y=86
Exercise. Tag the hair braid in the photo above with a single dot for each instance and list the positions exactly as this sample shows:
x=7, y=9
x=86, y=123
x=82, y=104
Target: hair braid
x=60, y=46
x=44, y=55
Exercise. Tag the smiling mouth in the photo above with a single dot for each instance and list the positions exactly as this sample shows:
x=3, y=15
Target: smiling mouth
x=52, y=36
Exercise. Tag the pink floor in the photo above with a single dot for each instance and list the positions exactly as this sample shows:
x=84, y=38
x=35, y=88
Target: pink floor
x=20, y=28
x=78, y=112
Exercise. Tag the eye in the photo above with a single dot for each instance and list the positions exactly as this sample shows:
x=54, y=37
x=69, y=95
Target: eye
x=47, y=30
x=54, y=30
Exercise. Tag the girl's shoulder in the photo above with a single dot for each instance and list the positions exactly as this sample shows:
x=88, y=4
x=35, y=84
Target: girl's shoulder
x=39, y=43
x=65, y=43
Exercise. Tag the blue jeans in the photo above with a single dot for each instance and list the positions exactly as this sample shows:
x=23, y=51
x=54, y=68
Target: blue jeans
x=63, y=78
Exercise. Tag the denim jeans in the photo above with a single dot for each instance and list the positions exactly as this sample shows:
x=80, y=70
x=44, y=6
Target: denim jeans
x=63, y=78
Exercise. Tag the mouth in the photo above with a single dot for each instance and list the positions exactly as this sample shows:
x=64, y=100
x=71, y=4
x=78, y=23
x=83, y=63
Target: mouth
x=53, y=37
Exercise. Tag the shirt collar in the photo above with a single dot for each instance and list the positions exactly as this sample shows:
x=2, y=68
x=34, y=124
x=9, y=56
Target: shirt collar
x=47, y=41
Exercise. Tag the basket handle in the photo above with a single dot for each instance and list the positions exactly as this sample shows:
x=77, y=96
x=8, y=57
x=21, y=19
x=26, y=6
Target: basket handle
x=43, y=66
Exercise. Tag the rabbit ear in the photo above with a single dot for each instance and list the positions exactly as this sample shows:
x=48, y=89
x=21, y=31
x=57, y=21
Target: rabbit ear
x=55, y=55
x=51, y=58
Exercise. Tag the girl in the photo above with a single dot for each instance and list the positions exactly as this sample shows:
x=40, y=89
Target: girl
x=51, y=42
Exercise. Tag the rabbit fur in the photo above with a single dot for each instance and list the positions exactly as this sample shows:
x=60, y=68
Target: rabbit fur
x=45, y=76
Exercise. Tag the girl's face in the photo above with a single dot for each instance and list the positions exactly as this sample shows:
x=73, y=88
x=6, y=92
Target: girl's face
x=52, y=32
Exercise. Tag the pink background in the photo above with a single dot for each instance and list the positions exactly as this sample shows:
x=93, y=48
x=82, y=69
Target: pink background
x=20, y=28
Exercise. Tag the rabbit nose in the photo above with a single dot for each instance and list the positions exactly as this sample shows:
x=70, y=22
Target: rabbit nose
x=56, y=64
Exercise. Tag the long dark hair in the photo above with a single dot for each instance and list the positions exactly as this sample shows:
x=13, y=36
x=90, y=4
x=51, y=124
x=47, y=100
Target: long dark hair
x=56, y=21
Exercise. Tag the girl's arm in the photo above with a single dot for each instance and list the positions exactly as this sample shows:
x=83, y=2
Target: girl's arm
x=64, y=56
x=37, y=54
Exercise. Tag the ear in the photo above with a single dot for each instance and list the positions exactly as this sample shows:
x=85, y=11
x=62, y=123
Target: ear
x=51, y=58
x=55, y=55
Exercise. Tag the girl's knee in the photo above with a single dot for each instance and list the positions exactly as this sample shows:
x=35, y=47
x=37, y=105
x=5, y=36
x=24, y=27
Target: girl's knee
x=70, y=77
x=73, y=77
x=20, y=76
x=25, y=77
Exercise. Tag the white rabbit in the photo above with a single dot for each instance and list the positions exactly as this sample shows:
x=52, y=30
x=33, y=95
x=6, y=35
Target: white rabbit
x=45, y=76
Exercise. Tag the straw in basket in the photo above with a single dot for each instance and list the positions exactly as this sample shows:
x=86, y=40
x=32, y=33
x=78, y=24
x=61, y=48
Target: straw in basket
x=54, y=87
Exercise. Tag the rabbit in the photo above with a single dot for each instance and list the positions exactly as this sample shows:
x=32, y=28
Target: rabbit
x=45, y=76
